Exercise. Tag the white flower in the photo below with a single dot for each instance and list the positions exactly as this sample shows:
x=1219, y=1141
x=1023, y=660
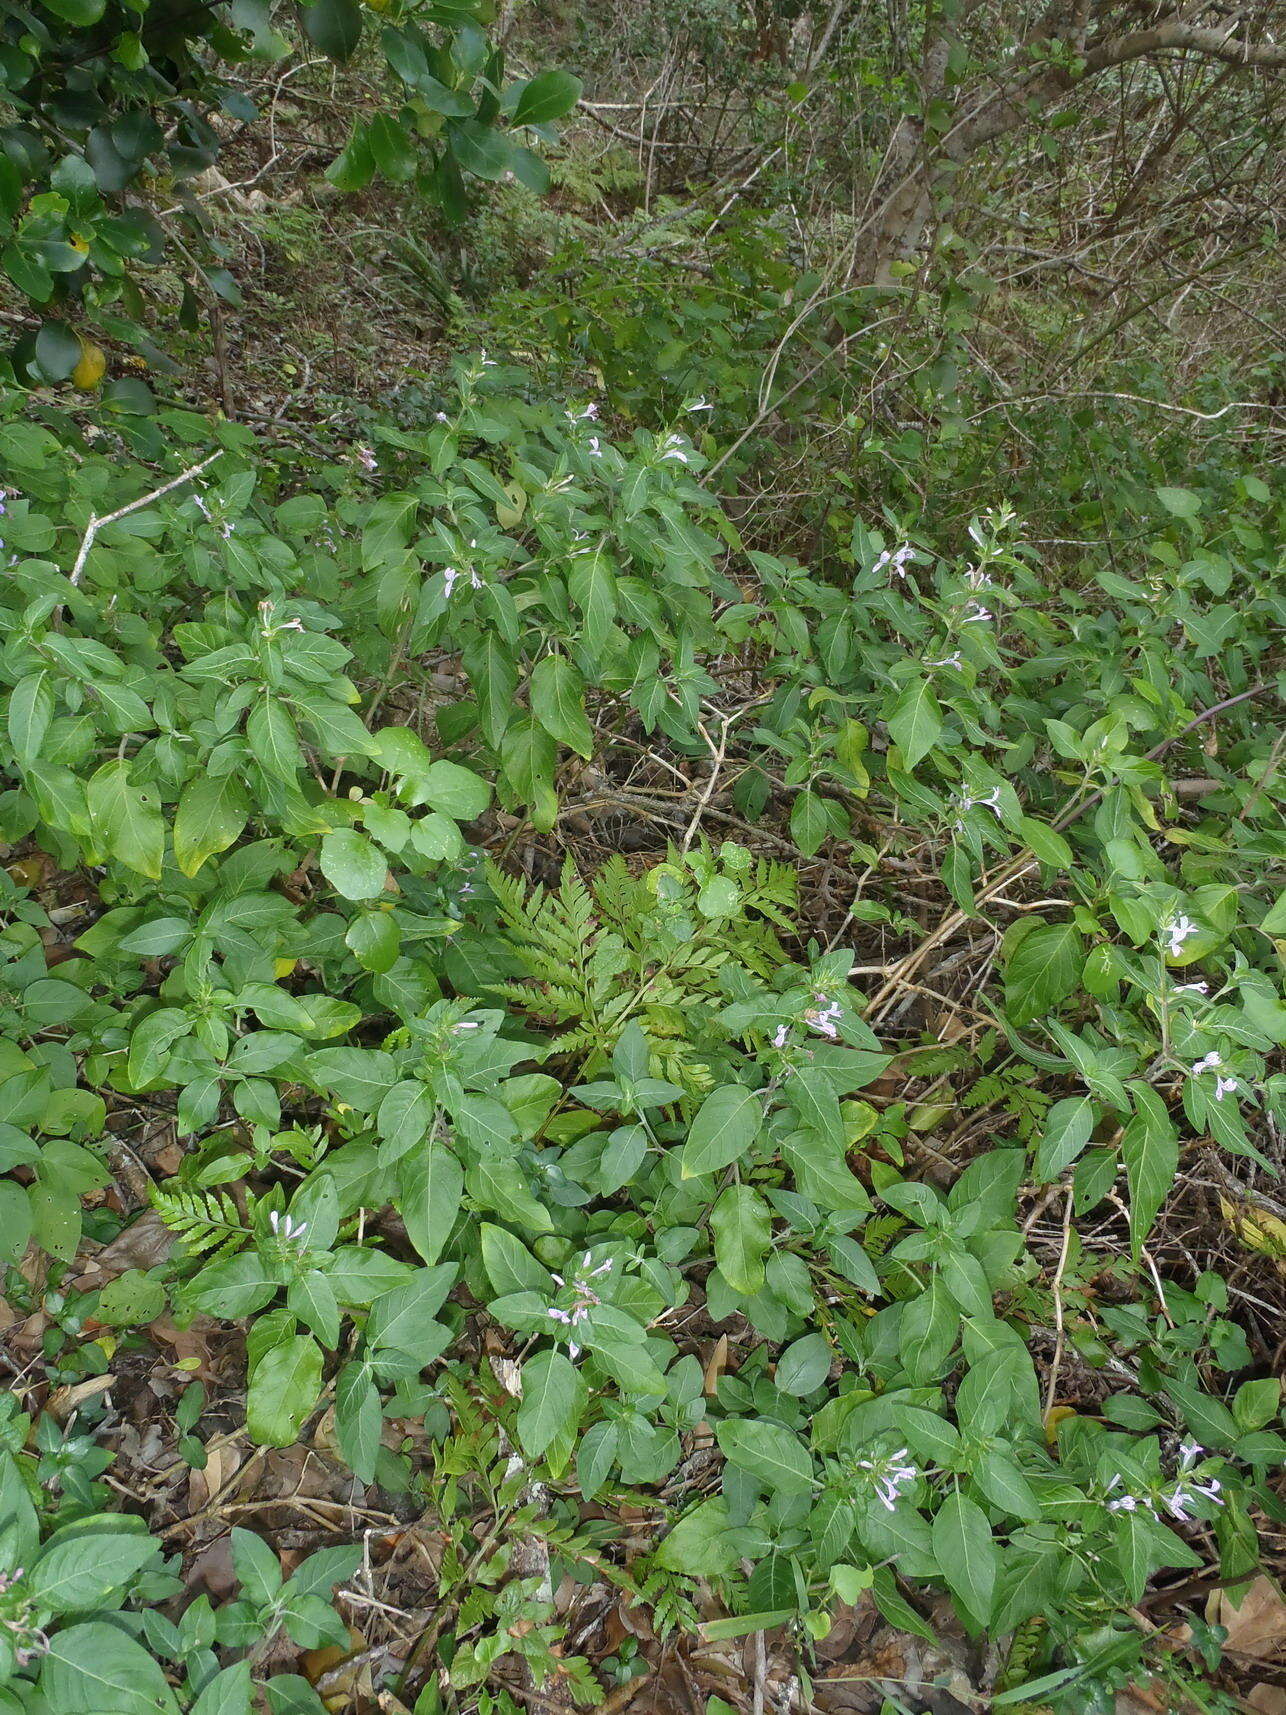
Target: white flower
x=441, y=417
x=1224, y=1087
x=595, y=448
x=367, y=459
x=698, y=404
x=1192, y=988
x=450, y=576
x=1179, y=930
x=588, y=415
x=975, y=613
x=487, y=362
x=977, y=579
x=286, y=1229
x=953, y=660
x=673, y=445
x=467, y=1024
x=972, y=801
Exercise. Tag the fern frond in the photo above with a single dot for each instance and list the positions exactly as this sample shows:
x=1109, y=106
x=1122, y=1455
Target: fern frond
x=207, y=1223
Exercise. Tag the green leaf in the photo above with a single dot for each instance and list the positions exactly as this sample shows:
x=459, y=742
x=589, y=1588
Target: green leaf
x=773, y=1455
x=358, y=1419
x=546, y=96
x=726, y=1126
x=454, y=791
x=96, y=1666
x=81, y=13
x=228, y=1693
x=804, y=1365
x=1150, y=1151
x=403, y=1318
x=283, y=1390
x=1042, y=967
x=405, y=1118
x=967, y=1555
x=335, y=26
x=430, y=1187
x=31, y=708
x=352, y=864
x=57, y=350
x=273, y=740
x=1069, y=1125
x=257, y=1567
x=392, y=148
x=742, y=1228
x=479, y=148
x=915, y=723
x=558, y=703
x=84, y=1571
x=1180, y=502
x=210, y=817
x=553, y=1395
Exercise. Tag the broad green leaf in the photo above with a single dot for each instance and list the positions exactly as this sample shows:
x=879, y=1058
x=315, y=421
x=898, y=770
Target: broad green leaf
x=1068, y=1127
x=742, y=1228
x=84, y=1571
x=283, y=1390
x=723, y=1131
x=967, y=1555
x=915, y=722
x=1150, y=1151
x=558, y=703
x=773, y=1455
x=210, y=817
x=553, y=1395
x=31, y=708
x=430, y=1187
x=96, y=1666
x=546, y=96
x=1042, y=968
x=273, y=740
x=352, y=864
x=335, y=26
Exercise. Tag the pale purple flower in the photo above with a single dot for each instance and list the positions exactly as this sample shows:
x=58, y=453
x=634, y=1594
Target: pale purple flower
x=584, y=1298
x=891, y=1476
x=450, y=577
x=367, y=459
x=977, y=579
x=895, y=559
x=953, y=660
x=822, y=1017
x=595, y=447
x=975, y=614
x=588, y=415
x=781, y=1036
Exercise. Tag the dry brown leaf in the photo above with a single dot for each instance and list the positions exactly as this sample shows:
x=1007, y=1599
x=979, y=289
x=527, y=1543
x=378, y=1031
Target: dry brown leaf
x=64, y=1400
x=144, y=1243
x=1268, y=1699
x=716, y=1366
x=1254, y=1617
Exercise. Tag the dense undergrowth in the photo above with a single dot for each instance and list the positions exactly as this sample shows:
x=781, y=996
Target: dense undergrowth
x=620, y=1109
x=668, y=944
